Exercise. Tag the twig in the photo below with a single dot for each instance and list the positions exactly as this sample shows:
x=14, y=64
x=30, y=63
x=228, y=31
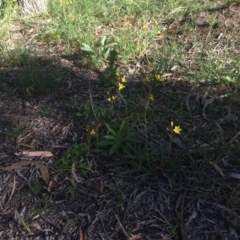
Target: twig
x=121, y=226
x=13, y=190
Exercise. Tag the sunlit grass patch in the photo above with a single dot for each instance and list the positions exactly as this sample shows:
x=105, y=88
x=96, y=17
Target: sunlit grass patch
x=133, y=26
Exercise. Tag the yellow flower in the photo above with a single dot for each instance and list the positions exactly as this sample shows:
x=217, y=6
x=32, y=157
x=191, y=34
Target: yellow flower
x=70, y=16
x=150, y=97
x=120, y=86
x=145, y=27
x=177, y=129
x=112, y=98
x=58, y=36
x=158, y=77
x=155, y=21
x=93, y=132
x=147, y=78
x=123, y=80
x=117, y=74
x=127, y=25
x=89, y=19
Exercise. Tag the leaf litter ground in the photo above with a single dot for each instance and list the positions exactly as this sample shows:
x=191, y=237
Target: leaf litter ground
x=199, y=199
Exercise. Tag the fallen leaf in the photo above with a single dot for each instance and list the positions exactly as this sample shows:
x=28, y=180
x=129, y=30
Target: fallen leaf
x=101, y=186
x=206, y=103
x=34, y=154
x=136, y=237
x=235, y=137
x=235, y=175
x=194, y=214
x=44, y=172
x=16, y=166
x=188, y=99
x=218, y=169
x=228, y=118
x=50, y=186
x=80, y=234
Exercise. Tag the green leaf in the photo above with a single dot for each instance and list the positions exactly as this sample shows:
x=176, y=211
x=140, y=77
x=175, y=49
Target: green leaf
x=110, y=129
x=85, y=47
x=104, y=143
x=110, y=137
x=130, y=136
x=112, y=57
x=122, y=127
x=114, y=148
x=104, y=40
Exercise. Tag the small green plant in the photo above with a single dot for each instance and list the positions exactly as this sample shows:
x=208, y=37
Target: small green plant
x=14, y=132
x=71, y=192
x=34, y=79
x=118, y=141
x=212, y=20
x=103, y=48
x=36, y=186
x=88, y=112
x=73, y=157
x=106, y=52
x=6, y=7
x=170, y=228
x=109, y=73
x=233, y=2
x=120, y=200
x=47, y=111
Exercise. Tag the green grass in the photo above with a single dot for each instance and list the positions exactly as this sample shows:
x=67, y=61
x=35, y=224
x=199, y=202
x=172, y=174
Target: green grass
x=74, y=158
x=131, y=27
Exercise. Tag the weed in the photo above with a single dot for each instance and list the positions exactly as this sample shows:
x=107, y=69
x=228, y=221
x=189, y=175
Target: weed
x=71, y=192
x=90, y=113
x=119, y=141
x=33, y=78
x=171, y=228
x=47, y=111
x=109, y=73
x=233, y=2
x=36, y=186
x=120, y=200
x=74, y=157
x=14, y=132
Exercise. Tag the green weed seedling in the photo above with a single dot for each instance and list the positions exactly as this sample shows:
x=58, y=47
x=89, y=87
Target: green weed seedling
x=118, y=141
x=108, y=75
x=14, y=132
x=36, y=186
x=233, y=2
x=88, y=112
x=47, y=111
x=103, y=48
x=120, y=200
x=33, y=78
x=105, y=51
x=74, y=155
x=71, y=192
